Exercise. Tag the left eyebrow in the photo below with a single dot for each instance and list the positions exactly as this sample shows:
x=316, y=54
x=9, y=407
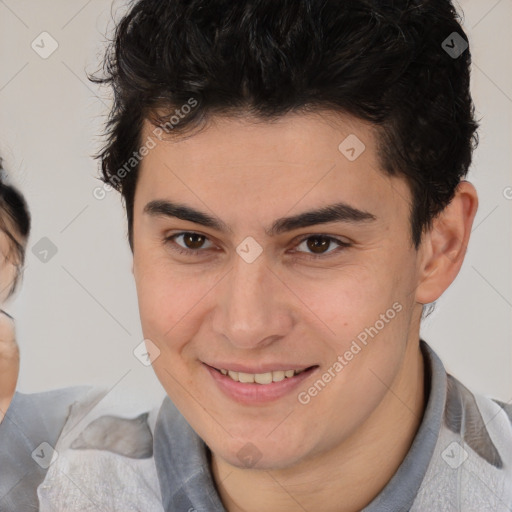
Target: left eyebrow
x=338, y=212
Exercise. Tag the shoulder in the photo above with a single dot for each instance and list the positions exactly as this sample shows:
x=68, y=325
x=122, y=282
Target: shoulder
x=506, y=408
x=106, y=445
x=485, y=424
x=32, y=424
x=45, y=404
x=101, y=422
x=471, y=468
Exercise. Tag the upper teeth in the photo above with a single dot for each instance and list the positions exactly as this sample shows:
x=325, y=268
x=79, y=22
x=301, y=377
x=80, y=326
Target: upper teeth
x=261, y=378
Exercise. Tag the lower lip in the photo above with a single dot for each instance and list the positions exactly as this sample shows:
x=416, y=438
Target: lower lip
x=252, y=393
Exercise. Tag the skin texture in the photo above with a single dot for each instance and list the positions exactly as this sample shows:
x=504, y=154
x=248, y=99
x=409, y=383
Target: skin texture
x=284, y=307
x=9, y=351
x=9, y=363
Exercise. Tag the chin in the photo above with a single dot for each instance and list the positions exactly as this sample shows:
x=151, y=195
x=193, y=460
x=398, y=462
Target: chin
x=260, y=454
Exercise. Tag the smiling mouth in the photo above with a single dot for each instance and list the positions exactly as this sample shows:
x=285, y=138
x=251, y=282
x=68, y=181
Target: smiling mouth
x=262, y=378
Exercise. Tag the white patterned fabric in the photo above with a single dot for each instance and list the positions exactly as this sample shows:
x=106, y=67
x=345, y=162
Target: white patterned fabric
x=153, y=461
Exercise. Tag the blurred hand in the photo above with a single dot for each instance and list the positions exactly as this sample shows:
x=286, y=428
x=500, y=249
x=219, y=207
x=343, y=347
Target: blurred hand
x=9, y=362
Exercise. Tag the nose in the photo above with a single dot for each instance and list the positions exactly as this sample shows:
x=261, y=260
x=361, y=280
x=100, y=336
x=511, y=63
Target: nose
x=251, y=308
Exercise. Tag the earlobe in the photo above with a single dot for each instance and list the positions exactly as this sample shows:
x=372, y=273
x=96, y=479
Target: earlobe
x=445, y=244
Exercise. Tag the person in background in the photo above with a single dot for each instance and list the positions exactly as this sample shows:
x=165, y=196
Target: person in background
x=14, y=232
x=26, y=420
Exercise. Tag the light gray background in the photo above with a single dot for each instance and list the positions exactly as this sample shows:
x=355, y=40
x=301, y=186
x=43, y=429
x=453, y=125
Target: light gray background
x=77, y=316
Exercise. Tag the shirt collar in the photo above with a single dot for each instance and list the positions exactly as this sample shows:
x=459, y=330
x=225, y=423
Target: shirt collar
x=400, y=492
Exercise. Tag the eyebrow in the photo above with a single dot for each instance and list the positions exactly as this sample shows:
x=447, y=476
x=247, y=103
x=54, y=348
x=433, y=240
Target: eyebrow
x=338, y=212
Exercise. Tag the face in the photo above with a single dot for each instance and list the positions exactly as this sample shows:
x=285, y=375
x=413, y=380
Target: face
x=8, y=266
x=226, y=283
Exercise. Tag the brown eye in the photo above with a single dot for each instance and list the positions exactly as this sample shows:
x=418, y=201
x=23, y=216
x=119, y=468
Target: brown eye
x=321, y=246
x=193, y=240
x=189, y=243
x=318, y=244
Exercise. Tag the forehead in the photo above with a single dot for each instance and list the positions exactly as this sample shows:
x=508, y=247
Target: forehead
x=312, y=159
x=298, y=139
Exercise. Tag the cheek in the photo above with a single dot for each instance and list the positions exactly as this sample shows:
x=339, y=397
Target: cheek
x=364, y=312
x=372, y=327
x=7, y=276
x=347, y=299
x=169, y=302
x=168, y=319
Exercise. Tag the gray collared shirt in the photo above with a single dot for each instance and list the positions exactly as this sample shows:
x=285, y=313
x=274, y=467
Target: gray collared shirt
x=460, y=458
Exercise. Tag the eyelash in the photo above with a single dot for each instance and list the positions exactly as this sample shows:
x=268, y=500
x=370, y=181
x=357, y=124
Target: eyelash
x=191, y=252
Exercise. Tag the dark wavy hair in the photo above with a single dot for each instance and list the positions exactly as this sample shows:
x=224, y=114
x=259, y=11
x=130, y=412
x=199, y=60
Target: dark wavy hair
x=15, y=223
x=381, y=61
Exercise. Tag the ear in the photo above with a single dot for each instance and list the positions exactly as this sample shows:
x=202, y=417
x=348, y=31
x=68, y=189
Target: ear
x=444, y=246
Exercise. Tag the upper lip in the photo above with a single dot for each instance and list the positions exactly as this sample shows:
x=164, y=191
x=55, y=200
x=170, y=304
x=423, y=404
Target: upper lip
x=261, y=368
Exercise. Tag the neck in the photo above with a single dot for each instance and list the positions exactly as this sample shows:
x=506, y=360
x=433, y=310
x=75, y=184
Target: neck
x=347, y=478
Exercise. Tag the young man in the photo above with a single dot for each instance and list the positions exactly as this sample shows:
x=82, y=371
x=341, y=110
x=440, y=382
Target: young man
x=292, y=173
